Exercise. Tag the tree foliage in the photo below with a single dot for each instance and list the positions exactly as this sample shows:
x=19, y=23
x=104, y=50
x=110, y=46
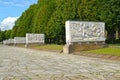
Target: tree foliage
x=49, y=16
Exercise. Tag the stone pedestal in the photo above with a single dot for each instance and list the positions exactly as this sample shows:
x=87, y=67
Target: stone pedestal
x=78, y=47
x=82, y=36
x=33, y=44
x=68, y=49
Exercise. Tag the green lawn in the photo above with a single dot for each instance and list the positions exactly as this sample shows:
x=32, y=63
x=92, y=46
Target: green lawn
x=110, y=50
x=45, y=47
x=50, y=47
x=114, y=44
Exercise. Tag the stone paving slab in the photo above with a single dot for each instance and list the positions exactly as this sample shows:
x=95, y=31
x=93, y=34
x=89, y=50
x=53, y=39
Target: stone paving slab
x=26, y=64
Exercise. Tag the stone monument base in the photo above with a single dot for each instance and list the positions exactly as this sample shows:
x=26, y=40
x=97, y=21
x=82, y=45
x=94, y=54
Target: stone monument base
x=33, y=44
x=10, y=44
x=83, y=46
x=68, y=49
x=19, y=44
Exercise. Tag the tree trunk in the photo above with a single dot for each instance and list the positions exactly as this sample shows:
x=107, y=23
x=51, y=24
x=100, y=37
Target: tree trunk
x=119, y=33
x=111, y=35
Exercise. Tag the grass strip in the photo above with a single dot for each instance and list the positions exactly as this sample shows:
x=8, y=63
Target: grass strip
x=110, y=51
x=50, y=47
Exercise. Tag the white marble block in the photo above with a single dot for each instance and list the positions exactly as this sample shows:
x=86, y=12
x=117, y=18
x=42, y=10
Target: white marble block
x=35, y=38
x=9, y=41
x=4, y=42
x=19, y=40
x=82, y=31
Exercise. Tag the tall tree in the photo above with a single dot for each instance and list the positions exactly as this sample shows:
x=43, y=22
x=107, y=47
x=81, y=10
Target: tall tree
x=49, y=16
x=42, y=16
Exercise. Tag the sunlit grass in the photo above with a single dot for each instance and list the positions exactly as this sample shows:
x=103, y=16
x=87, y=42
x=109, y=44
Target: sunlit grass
x=110, y=50
x=50, y=47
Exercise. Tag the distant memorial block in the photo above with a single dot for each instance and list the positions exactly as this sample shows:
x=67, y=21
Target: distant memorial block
x=81, y=35
x=8, y=42
x=19, y=40
x=35, y=39
x=5, y=42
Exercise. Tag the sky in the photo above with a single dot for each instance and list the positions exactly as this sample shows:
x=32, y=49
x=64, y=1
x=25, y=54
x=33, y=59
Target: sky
x=11, y=10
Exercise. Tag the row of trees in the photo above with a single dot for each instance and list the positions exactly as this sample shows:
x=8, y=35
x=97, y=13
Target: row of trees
x=49, y=16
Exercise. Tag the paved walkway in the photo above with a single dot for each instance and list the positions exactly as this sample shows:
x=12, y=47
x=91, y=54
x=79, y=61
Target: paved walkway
x=25, y=64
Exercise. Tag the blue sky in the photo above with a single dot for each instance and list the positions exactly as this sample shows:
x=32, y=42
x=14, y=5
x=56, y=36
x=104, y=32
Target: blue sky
x=13, y=9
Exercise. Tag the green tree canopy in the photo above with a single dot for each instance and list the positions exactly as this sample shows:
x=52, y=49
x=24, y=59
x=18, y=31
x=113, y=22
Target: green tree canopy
x=49, y=16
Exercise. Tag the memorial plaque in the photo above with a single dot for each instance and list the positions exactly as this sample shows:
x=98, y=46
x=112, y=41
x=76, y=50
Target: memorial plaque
x=35, y=38
x=9, y=41
x=19, y=40
x=4, y=42
x=81, y=31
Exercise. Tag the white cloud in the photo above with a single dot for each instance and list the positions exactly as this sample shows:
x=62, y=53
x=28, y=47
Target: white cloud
x=8, y=23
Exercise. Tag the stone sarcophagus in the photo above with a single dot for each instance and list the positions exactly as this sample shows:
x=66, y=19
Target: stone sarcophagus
x=19, y=40
x=84, y=31
x=83, y=35
x=35, y=38
x=8, y=42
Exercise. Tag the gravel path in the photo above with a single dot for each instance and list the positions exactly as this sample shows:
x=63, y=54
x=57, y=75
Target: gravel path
x=26, y=64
